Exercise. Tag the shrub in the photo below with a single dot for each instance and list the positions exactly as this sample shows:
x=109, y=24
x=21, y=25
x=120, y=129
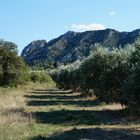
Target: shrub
x=40, y=76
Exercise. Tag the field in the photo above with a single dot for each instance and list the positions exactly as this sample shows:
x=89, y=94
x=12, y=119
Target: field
x=38, y=112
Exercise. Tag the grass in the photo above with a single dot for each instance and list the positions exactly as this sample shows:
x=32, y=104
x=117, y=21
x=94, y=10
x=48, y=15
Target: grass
x=37, y=113
x=15, y=123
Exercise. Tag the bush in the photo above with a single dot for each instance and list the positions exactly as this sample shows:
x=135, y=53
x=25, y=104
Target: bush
x=40, y=76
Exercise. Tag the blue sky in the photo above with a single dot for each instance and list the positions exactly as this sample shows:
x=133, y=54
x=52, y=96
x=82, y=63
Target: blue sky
x=22, y=21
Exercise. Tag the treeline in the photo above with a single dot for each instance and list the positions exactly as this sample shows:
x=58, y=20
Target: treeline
x=13, y=70
x=112, y=75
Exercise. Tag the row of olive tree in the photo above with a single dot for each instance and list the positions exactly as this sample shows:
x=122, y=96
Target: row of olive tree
x=112, y=75
x=67, y=77
x=131, y=86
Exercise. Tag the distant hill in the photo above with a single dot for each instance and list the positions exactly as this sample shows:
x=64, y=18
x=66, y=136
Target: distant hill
x=72, y=46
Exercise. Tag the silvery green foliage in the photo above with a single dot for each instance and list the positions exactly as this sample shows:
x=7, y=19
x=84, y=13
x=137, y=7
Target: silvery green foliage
x=131, y=85
x=113, y=74
x=65, y=75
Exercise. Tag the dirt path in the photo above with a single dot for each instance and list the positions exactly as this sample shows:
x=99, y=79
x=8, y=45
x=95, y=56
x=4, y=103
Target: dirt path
x=63, y=115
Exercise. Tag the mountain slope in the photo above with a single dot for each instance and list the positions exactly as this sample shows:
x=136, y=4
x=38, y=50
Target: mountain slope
x=72, y=46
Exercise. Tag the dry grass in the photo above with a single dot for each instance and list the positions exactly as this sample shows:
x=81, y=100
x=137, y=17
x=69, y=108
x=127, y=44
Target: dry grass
x=60, y=115
x=13, y=121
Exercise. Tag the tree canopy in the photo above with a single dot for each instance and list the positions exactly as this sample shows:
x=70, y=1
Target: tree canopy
x=13, y=71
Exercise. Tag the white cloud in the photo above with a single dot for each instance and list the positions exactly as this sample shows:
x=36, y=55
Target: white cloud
x=87, y=27
x=112, y=13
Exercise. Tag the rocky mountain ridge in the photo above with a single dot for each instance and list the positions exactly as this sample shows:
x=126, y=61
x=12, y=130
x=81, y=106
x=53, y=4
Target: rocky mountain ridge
x=73, y=46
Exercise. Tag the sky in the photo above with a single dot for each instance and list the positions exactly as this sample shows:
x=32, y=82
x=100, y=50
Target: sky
x=23, y=21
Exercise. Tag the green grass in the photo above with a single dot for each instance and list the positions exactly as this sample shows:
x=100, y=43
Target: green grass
x=58, y=115
x=65, y=116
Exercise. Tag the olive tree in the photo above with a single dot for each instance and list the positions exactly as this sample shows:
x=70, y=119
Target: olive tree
x=131, y=86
